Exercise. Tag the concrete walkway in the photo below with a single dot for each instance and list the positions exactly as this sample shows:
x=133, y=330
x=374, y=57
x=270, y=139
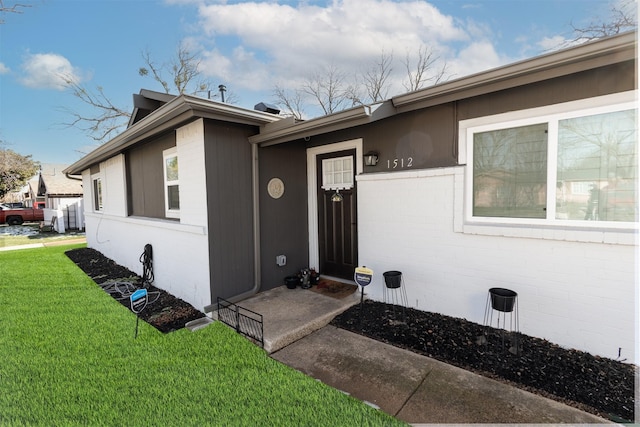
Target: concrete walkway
x=45, y=244
x=411, y=387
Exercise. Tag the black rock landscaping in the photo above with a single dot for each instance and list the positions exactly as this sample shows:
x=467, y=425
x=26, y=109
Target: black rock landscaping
x=602, y=386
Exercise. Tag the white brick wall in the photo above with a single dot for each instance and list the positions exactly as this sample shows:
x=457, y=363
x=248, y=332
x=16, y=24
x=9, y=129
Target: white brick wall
x=180, y=252
x=114, y=196
x=193, y=191
x=576, y=294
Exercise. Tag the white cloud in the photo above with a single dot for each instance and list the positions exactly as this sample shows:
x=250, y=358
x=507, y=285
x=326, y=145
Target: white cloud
x=48, y=71
x=555, y=43
x=279, y=42
x=476, y=57
x=4, y=69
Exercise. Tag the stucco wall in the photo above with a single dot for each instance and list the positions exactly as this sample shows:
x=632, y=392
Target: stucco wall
x=579, y=295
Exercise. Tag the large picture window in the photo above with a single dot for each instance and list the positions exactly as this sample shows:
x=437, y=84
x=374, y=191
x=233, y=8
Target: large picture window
x=171, y=183
x=510, y=172
x=597, y=163
x=578, y=166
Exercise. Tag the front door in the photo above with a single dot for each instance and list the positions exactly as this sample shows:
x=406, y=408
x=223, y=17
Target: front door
x=337, y=227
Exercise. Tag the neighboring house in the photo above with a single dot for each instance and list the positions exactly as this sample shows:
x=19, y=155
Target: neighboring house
x=29, y=193
x=53, y=190
x=479, y=182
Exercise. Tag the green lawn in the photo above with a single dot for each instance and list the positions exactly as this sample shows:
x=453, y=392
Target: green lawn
x=68, y=357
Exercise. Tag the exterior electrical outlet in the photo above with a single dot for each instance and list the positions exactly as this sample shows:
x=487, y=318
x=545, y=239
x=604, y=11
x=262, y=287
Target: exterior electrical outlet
x=281, y=260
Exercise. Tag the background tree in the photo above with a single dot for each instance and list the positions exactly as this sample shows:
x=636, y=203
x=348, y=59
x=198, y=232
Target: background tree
x=291, y=101
x=15, y=170
x=184, y=71
x=375, y=78
x=331, y=91
x=108, y=119
x=623, y=17
x=418, y=72
x=11, y=7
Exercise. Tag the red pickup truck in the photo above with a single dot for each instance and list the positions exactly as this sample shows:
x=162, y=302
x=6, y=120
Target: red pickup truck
x=18, y=216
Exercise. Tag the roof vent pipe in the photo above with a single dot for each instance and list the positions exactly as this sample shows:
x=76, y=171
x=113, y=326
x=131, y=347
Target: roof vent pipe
x=267, y=108
x=222, y=89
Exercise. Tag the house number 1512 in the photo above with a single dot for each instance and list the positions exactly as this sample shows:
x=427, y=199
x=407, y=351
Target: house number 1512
x=400, y=163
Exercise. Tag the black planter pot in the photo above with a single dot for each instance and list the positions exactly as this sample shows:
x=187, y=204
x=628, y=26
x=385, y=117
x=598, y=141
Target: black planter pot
x=291, y=281
x=502, y=299
x=393, y=279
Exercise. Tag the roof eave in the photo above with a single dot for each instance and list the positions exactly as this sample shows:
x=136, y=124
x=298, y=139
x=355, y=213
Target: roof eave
x=344, y=119
x=610, y=50
x=179, y=110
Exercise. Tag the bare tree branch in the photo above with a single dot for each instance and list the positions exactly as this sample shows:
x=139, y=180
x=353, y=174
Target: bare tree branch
x=292, y=103
x=623, y=17
x=417, y=73
x=15, y=8
x=155, y=70
x=375, y=78
x=184, y=70
x=109, y=118
x=328, y=89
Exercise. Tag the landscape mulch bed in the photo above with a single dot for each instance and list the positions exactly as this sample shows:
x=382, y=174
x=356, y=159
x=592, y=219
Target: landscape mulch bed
x=602, y=386
x=594, y=384
x=166, y=312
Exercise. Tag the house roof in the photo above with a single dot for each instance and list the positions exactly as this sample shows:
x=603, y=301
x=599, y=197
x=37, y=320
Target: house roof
x=146, y=102
x=177, y=111
x=54, y=183
x=609, y=50
x=289, y=129
x=595, y=54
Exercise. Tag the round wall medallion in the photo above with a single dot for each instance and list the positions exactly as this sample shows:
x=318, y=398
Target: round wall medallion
x=275, y=188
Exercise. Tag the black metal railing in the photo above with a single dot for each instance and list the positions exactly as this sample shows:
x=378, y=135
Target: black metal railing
x=246, y=322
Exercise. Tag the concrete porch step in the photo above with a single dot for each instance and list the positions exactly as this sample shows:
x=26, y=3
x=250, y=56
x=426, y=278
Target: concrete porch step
x=291, y=314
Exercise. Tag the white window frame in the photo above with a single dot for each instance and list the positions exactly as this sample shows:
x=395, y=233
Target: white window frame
x=342, y=185
x=552, y=115
x=97, y=201
x=167, y=154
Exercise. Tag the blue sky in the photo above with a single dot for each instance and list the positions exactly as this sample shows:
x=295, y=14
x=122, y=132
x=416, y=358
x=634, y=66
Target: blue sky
x=248, y=46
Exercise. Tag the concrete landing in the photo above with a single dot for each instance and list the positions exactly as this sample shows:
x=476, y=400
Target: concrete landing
x=291, y=314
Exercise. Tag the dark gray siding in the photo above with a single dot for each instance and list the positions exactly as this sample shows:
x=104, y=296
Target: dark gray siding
x=424, y=135
x=601, y=81
x=230, y=206
x=283, y=221
x=145, y=183
x=428, y=136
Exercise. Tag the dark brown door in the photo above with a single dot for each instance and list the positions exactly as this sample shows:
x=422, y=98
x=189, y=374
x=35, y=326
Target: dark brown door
x=337, y=227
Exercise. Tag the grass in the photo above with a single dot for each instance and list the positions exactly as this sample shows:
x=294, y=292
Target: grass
x=69, y=357
x=37, y=237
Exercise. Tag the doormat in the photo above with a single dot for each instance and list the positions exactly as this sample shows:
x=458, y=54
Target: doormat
x=334, y=289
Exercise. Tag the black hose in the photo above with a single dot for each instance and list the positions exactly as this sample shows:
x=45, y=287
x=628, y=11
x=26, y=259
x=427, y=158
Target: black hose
x=147, y=265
